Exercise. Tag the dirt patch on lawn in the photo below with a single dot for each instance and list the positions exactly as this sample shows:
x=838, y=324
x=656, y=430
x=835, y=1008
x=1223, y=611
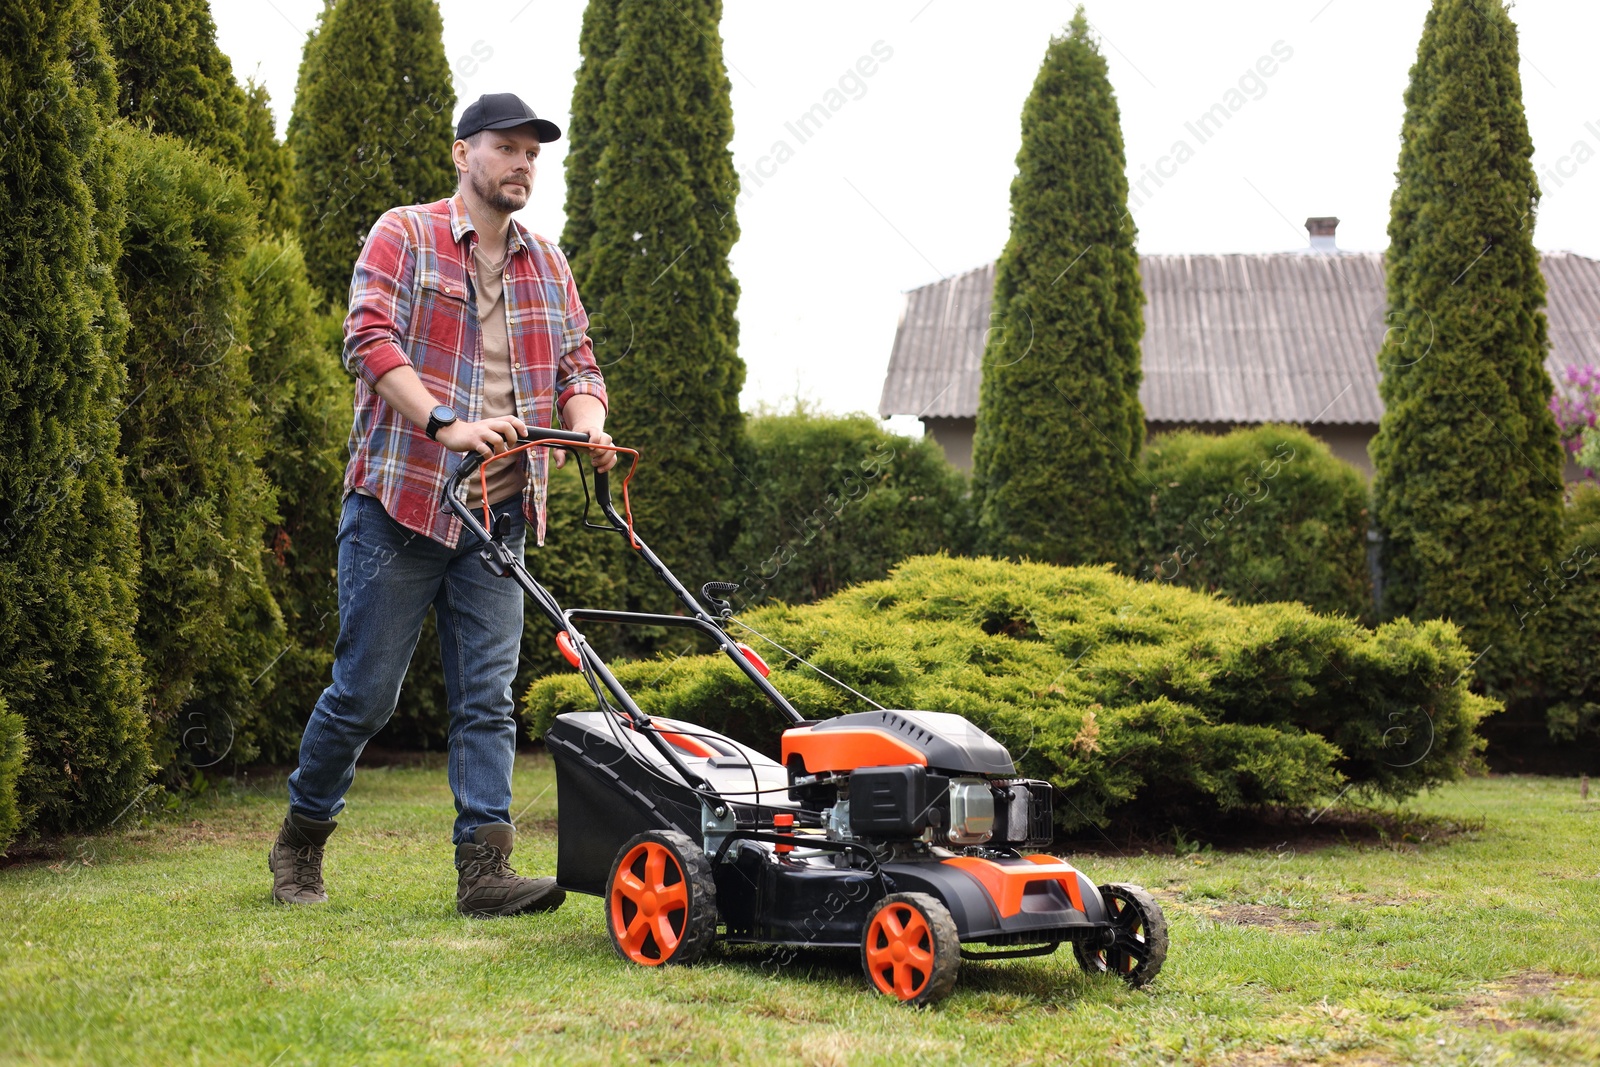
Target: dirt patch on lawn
x=1376, y=901
x=1522, y=1001
x=1269, y=916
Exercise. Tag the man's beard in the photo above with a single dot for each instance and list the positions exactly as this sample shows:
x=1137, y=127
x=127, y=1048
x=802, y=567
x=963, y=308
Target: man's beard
x=494, y=195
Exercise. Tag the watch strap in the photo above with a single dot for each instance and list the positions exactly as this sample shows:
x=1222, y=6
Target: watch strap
x=435, y=424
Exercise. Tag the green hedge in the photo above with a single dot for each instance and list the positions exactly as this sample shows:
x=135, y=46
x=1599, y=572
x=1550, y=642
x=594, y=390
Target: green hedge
x=1261, y=514
x=69, y=552
x=1136, y=699
x=302, y=395
x=192, y=446
x=13, y=747
x=1560, y=609
x=832, y=501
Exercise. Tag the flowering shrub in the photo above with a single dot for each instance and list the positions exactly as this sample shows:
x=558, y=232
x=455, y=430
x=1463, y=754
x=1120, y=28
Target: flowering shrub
x=1588, y=456
x=1575, y=409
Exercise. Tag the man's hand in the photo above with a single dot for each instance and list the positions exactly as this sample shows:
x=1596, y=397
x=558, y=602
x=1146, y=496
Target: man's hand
x=585, y=414
x=487, y=438
x=603, y=461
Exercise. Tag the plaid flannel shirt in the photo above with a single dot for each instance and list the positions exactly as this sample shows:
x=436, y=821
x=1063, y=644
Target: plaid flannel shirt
x=412, y=304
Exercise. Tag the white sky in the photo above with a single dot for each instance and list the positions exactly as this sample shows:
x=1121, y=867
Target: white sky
x=909, y=180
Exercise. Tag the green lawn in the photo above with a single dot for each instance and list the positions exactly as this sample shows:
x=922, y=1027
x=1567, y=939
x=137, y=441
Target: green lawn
x=159, y=944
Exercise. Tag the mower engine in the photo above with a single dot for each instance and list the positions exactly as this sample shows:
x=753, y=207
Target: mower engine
x=915, y=776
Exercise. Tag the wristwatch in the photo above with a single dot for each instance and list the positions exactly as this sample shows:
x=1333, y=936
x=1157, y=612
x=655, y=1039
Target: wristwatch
x=439, y=418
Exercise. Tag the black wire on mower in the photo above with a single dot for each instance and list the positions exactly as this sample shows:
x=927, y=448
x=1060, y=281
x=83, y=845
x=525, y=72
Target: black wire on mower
x=801, y=659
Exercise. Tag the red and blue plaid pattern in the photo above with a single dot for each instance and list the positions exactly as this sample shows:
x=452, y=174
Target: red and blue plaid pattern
x=411, y=304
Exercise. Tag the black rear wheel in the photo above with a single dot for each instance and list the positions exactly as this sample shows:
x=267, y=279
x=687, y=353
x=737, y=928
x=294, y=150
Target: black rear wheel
x=1138, y=944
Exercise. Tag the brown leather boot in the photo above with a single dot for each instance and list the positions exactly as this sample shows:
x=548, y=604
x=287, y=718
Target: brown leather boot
x=296, y=860
x=487, y=886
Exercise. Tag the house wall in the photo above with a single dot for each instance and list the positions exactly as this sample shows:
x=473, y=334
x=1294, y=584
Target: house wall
x=955, y=437
x=1349, y=443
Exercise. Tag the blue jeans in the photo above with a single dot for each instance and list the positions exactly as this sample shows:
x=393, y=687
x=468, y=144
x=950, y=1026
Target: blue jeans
x=388, y=578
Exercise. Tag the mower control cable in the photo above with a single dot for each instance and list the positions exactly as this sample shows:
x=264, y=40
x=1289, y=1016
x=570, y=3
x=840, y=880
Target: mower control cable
x=801, y=659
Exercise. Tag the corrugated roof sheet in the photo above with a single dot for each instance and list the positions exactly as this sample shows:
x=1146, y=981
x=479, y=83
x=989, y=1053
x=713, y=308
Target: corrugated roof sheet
x=1236, y=339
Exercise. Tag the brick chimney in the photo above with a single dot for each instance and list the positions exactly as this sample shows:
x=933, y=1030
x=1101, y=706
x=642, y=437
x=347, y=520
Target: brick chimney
x=1321, y=230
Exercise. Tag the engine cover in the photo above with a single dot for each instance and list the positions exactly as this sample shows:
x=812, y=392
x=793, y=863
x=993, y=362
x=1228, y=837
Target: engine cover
x=942, y=742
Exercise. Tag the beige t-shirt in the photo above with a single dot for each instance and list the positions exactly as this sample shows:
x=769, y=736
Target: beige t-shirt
x=507, y=476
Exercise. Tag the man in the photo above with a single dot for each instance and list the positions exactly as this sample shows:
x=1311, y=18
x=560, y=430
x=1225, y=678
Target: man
x=464, y=330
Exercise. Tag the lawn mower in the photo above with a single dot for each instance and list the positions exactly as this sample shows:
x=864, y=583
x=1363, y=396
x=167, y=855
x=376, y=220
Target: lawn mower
x=897, y=834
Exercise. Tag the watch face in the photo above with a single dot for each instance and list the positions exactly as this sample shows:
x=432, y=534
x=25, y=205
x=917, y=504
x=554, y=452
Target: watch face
x=444, y=414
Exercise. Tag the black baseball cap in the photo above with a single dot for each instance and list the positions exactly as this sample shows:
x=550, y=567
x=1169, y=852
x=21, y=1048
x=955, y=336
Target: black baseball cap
x=501, y=111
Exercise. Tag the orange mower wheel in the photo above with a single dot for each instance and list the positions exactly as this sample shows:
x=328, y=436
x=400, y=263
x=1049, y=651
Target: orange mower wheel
x=911, y=950
x=661, y=902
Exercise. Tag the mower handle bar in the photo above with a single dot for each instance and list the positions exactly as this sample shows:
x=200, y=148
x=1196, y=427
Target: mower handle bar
x=505, y=563
x=473, y=460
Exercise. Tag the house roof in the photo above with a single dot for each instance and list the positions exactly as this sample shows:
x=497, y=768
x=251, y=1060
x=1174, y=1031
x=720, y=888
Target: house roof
x=1286, y=337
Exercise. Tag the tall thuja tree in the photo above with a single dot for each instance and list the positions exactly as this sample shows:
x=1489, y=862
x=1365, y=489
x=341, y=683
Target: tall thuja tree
x=1467, y=465
x=268, y=166
x=1059, y=422
x=302, y=395
x=172, y=78
x=597, y=41
x=68, y=544
x=421, y=103
x=192, y=444
x=371, y=127
x=655, y=279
